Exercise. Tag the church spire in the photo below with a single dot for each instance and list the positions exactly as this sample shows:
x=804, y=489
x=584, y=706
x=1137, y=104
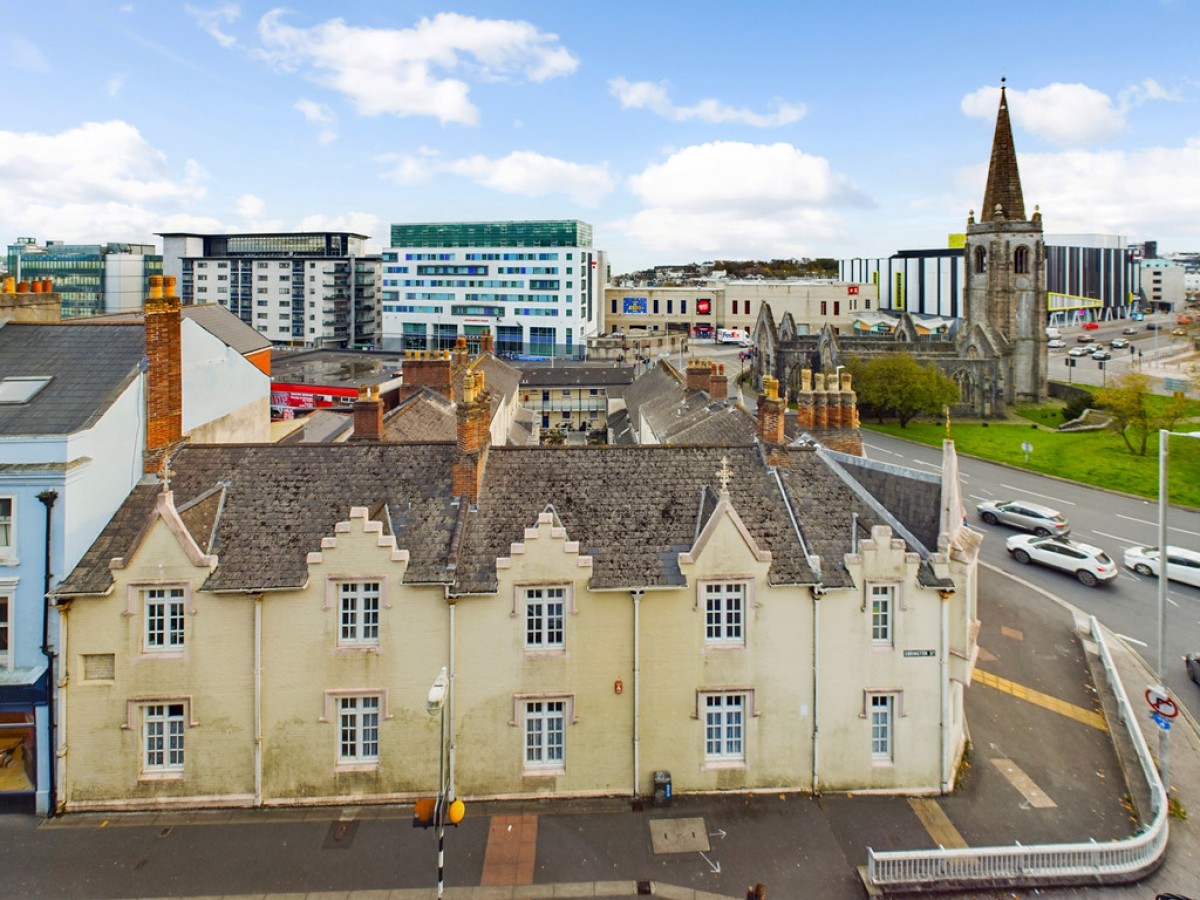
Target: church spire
x=1004, y=181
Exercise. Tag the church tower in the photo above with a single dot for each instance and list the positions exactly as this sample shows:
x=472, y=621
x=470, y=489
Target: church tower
x=1005, y=265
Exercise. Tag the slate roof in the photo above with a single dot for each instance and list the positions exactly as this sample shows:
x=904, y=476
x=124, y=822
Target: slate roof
x=577, y=376
x=321, y=426
x=89, y=366
x=262, y=508
x=422, y=417
x=227, y=327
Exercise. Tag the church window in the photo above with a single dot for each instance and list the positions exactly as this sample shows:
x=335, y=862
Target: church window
x=1021, y=261
x=980, y=260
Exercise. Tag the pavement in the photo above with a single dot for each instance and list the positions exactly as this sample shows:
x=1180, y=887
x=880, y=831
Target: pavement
x=1042, y=768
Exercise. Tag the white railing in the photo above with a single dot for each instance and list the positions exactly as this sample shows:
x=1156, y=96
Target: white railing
x=1111, y=862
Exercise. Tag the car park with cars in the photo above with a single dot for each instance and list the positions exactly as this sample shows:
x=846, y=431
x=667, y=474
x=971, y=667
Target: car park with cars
x=1089, y=564
x=1182, y=564
x=1041, y=520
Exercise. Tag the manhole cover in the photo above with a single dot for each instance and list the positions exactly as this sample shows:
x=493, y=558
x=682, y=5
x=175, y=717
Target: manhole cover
x=678, y=835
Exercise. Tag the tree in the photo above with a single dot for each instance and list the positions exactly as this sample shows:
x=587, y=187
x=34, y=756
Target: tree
x=1133, y=415
x=896, y=384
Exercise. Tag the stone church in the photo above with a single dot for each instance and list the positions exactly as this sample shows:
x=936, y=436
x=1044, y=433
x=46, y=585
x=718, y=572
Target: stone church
x=997, y=354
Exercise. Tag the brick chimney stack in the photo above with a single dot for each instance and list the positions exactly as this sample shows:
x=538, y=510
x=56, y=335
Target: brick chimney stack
x=473, y=435
x=487, y=344
x=368, y=414
x=719, y=388
x=771, y=408
x=462, y=356
x=699, y=375
x=427, y=370
x=164, y=375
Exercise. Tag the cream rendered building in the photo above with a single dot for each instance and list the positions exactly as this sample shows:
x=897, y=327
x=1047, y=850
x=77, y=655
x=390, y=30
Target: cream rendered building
x=762, y=617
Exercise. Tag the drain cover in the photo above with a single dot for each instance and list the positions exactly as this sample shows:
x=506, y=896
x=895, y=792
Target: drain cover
x=678, y=835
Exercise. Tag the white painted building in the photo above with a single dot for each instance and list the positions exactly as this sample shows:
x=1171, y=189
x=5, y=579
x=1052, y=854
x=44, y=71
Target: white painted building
x=536, y=287
x=1164, y=284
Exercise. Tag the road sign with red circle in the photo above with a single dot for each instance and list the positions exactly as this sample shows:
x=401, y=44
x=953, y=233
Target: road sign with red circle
x=1161, y=703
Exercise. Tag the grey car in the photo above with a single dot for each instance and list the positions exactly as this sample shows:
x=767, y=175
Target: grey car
x=1022, y=514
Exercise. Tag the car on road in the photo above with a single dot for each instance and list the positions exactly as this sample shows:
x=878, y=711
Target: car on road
x=1091, y=326
x=1056, y=343
x=1041, y=520
x=1182, y=564
x=1118, y=343
x=1128, y=329
x=1192, y=661
x=1084, y=339
x=1081, y=351
x=1178, y=331
x=1091, y=565
x=1101, y=355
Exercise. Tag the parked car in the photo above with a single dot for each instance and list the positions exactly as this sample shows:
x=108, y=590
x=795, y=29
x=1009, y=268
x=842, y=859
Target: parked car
x=1101, y=355
x=1080, y=351
x=1091, y=326
x=1182, y=564
x=1128, y=329
x=1118, y=343
x=1056, y=343
x=1192, y=661
x=1084, y=339
x=1091, y=565
x=1041, y=520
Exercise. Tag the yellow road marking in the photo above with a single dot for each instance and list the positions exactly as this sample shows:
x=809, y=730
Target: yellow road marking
x=1062, y=707
x=1033, y=794
x=936, y=822
x=1015, y=633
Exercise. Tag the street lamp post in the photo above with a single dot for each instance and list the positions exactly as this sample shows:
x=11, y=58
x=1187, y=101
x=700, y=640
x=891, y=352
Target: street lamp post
x=435, y=703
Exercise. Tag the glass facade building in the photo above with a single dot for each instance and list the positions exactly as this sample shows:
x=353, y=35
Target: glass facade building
x=92, y=279
x=303, y=289
x=535, y=287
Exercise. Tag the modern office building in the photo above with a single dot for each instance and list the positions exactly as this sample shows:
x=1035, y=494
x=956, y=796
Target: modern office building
x=299, y=289
x=1163, y=284
x=92, y=279
x=1090, y=274
x=535, y=286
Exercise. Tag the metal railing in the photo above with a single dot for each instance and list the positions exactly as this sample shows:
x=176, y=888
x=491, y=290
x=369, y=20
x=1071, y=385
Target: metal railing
x=1090, y=862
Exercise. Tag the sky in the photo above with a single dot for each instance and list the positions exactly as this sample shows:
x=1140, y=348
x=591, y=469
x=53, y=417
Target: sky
x=681, y=133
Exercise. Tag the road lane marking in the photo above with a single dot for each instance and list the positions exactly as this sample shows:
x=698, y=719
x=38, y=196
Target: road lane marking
x=1117, y=537
x=1014, y=633
x=1170, y=527
x=1036, y=797
x=1132, y=640
x=1037, y=494
x=936, y=822
x=918, y=462
x=1045, y=701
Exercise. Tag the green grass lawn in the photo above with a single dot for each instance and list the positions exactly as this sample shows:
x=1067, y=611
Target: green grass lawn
x=1098, y=458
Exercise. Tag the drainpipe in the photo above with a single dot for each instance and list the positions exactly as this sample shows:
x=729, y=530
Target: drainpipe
x=944, y=688
x=817, y=592
x=47, y=498
x=637, y=733
x=450, y=795
x=258, y=732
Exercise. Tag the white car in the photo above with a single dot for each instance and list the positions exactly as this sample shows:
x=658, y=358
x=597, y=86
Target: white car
x=1182, y=565
x=1056, y=343
x=1086, y=350
x=1041, y=520
x=1089, y=564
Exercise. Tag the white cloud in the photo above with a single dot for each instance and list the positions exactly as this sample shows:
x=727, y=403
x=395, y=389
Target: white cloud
x=318, y=114
x=739, y=199
x=654, y=97
x=403, y=72
x=211, y=20
x=113, y=86
x=21, y=53
x=1068, y=115
x=125, y=8
x=98, y=181
x=252, y=210
x=358, y=222
x=521, y=172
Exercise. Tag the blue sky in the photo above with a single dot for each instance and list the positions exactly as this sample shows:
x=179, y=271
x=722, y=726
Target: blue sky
x=681, y=132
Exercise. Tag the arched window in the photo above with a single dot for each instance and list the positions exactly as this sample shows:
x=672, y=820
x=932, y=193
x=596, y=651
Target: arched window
x=980, y=260
x=1021, y=261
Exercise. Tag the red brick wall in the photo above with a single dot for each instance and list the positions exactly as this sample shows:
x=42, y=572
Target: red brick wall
x=164, y=378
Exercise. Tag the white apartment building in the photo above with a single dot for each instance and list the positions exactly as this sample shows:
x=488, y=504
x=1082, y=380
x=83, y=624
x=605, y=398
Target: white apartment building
x=298, y=289
x=535, y=286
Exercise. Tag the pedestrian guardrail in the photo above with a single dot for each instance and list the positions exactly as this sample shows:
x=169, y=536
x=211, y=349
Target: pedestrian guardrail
x=1091, y=862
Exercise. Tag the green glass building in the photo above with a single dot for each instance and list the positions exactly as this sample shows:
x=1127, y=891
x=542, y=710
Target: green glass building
x=92, y=279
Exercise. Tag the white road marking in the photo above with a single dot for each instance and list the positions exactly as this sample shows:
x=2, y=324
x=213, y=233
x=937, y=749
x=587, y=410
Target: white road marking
x=1172, y=602
x=1170, y=527
x=1034, y=795
x=1036, y=494
x=1116, y=537
x=883, y=450
x=1126, y=637
x=917, y=462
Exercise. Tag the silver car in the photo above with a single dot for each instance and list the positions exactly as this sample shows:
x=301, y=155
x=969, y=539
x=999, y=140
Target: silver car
x=1041, y=520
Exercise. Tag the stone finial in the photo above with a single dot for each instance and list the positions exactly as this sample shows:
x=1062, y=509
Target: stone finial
x=724, y=474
